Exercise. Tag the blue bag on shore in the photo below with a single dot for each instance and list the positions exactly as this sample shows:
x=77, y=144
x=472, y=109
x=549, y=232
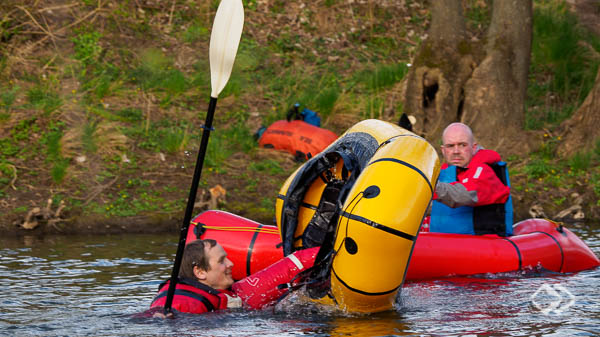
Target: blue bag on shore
x=311, y=117
x=307, y=115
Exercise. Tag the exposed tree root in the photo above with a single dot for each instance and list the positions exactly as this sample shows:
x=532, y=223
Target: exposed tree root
x=38, y=215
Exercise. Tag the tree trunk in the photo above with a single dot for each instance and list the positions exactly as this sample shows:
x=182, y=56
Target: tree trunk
x=439, y=71
x=581, y=130
x=495, y=94
x=481, y=84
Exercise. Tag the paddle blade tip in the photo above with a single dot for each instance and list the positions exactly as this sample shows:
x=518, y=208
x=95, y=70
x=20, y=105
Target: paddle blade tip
x=224, y=41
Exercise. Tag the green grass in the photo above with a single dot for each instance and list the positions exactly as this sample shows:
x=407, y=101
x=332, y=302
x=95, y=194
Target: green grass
x=195, y=32
x=136, y=200
x=98, y=78
x=54, y=157
x=595, y=182
x=547, y=172
x=382, y=76
x=8, y=95
x=373, y=107
x=267, y=203
x=162, y=136
x=268, y=166
x=175, y=139
x=127, y=115
x=24, y=129
x=556, y=45
x=87, y=137
x=156, y=73
x=580, y=161
x=563, y=67
x=44, y=99
x=105, y=81
x=541, y=164
x=14, y=145
x=248, y=61
x=321, y=88
x=538, y=168
x=539, y=118
x=223, y=142
x=59, y=170
x=130, y=115
x=87, y=47
x=8, y=148
x=146, y=96
x=7, y=173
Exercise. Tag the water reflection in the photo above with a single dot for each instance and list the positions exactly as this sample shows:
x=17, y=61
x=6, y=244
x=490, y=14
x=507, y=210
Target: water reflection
x=381, y=324
x=98, y=285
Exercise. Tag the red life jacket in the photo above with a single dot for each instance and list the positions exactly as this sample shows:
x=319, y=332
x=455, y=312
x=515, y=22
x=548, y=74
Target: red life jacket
x=192, y=297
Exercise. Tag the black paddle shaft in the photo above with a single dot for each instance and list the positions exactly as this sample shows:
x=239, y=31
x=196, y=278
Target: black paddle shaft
x=190, y=205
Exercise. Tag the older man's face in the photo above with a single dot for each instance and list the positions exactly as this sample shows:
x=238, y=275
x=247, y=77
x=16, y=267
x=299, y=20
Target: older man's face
x=458, y=147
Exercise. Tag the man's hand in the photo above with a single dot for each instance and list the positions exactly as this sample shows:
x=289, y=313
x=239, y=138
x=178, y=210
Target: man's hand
x=161, y=314
x=233, y=302
x=455, y=195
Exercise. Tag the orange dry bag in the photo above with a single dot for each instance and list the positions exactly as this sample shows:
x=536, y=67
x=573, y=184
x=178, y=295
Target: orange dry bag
x=297, y=137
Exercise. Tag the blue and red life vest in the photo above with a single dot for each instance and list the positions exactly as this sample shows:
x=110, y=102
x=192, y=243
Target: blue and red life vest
x=488, y=219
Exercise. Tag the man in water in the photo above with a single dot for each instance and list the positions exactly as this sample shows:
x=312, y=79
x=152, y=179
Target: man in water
x=470, y=197
x=204, y=278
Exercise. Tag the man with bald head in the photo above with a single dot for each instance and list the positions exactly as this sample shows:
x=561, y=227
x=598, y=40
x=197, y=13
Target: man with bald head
x=472, y=195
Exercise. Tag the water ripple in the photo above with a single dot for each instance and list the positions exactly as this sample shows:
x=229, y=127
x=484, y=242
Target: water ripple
x=101, y=285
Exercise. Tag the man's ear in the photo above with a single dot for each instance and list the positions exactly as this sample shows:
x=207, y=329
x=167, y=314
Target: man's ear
x=200, y=273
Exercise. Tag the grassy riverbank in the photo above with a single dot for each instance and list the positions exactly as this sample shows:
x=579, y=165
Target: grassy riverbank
x=101, y=103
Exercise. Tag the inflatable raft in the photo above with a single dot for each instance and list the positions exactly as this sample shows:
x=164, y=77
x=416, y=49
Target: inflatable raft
x=337, y=201
x=536, y=243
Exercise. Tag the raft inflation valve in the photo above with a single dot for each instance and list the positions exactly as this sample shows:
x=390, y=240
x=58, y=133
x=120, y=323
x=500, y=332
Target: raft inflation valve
x=371, y=192
x=350, y=246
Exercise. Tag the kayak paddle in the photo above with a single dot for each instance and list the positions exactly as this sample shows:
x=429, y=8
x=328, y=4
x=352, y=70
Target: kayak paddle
x=224, y=42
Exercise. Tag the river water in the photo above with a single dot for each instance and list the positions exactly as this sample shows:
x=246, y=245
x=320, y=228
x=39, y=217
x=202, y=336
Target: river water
x=100, y=285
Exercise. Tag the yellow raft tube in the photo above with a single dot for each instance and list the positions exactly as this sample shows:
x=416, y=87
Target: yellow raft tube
x=362, y=200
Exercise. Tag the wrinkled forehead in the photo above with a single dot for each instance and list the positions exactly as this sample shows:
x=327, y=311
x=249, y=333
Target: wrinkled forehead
x=457, y=134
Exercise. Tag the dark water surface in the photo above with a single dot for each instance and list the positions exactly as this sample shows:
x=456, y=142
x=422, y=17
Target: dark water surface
x=98, y=285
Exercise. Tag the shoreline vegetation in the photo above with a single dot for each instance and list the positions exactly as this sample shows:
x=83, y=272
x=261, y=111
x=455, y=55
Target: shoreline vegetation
x=101, y=105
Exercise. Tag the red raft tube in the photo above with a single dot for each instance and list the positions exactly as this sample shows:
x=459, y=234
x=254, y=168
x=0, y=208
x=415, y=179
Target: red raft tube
x=535, y=243
x=251, y=246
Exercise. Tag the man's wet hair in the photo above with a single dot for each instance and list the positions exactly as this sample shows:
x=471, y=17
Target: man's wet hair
x=194, y=256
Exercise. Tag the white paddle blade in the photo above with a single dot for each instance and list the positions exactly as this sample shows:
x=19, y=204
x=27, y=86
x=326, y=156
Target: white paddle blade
x=224, y=42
